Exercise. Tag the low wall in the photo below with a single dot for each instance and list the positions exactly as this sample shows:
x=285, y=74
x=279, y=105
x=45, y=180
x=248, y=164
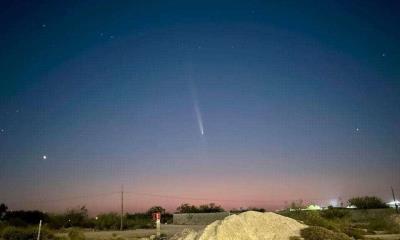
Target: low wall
x=198, y=218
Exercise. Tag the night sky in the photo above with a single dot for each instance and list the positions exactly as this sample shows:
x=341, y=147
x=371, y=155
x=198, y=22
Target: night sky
x=242, y=103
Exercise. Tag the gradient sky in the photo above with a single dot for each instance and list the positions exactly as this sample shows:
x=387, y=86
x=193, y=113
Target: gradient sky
x=242, y=103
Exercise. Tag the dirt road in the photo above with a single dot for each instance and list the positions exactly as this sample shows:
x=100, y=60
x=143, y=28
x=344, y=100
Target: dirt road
x=169, y=230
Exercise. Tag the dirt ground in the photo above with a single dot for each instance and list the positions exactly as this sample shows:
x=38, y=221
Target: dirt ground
x=384, y=236
x=169, y=230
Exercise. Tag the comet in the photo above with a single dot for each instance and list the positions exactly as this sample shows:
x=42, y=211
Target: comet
x=197, y=111
x=199, y=118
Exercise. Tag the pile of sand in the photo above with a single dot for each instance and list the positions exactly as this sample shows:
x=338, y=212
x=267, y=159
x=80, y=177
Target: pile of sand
x=247, y=226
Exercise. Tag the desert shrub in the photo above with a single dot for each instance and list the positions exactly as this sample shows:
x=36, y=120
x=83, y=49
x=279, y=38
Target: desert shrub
x=24, y=218
x=367, y=202
x=354, y=232
x=320, y=233
x=108, y=221
x=383, y=224
x=56, y=221
x=333, y=213
x=15, y=233
x=139, y=220
x=313, y=218
x=3, y=225
x=77, y=217
x=76, y=234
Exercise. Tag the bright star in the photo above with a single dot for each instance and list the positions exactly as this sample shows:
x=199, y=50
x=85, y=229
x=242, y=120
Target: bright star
x=44, y=157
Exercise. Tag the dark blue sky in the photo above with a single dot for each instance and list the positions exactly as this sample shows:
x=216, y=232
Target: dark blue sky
x=296, y=99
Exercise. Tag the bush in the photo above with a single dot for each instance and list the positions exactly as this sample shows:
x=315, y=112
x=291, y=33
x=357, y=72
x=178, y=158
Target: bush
x=3, y=225
x=76, y=234
x=56, y=221
x=25, y=218
x=333, y=213
x=354, y=232
x=15, y=233
x=383, y=224
x=320, y=233
x=367, y=202
x=313, y=218
x=77, y=217
x=108, y=221
x=138, y=220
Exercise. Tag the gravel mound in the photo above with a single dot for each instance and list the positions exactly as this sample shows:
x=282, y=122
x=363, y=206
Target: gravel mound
x=247, y=226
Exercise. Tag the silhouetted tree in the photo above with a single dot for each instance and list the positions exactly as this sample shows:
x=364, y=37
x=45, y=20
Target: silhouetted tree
x=210, y=208
x=187, y=208
x=367, y=202
x=77, y=217
x=108, y=221
x=297, y=204
x=155, y=209
x=25, y=218
x=3, y=210
x=206, y=208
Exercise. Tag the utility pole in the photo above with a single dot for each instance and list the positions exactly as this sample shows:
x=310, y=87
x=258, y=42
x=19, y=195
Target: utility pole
x=122, y=207
x=394, y=200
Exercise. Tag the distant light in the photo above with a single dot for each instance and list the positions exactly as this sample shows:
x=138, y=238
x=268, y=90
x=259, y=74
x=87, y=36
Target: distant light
x=313, y=207
x=96, y=218
x=333, y=202
x=357, y=129
x=44, y=157
x=383, y=54
x=44, y=25
x=393, y=203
